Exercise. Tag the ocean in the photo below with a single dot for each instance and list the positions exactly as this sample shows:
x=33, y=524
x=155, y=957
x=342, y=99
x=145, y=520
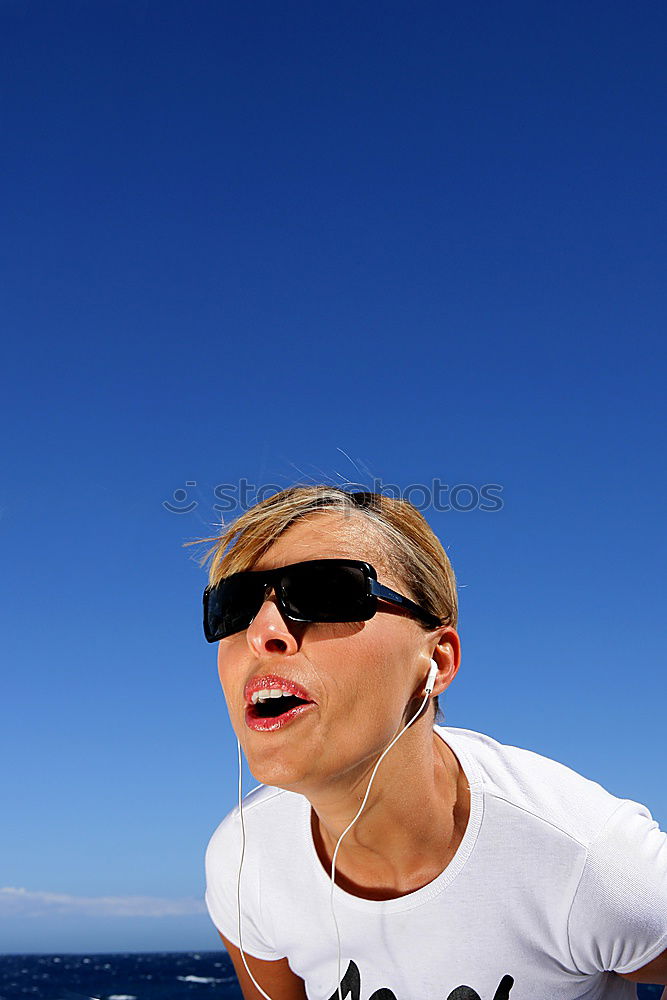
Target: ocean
x=158, y=976
x=155, y=976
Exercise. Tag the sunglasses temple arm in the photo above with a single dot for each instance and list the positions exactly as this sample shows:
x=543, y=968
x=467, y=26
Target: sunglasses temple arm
x=404, y=602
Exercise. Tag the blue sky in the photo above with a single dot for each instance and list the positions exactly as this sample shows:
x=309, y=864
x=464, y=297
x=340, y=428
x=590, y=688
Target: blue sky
x=309, y=242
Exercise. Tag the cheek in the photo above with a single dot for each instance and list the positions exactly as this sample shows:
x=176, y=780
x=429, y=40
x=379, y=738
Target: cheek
x=360, y=682
x=384, y=681
x=225, y=674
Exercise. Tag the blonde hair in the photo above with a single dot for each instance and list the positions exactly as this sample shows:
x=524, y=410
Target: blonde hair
x=406, y=543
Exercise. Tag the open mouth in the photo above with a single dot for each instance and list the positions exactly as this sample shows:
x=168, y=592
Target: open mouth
x=273, y=708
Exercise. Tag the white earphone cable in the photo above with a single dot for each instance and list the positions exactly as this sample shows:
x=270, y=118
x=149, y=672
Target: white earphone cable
x=333, y=863
x=428, y=689
x=238, y=882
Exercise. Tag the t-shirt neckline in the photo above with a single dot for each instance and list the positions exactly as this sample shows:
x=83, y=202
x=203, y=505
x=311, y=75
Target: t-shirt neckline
x=446, y=877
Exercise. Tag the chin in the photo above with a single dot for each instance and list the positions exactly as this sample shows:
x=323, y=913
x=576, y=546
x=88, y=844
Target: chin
x=274, y=770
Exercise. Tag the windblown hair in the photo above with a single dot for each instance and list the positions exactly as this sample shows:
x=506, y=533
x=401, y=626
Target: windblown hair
x=407, y=545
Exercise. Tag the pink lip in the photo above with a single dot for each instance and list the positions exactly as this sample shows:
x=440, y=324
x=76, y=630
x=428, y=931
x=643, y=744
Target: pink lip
x=275, y=681
x=265, y=725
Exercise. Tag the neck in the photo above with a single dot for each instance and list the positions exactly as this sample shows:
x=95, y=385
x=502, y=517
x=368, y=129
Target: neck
x=410, y=827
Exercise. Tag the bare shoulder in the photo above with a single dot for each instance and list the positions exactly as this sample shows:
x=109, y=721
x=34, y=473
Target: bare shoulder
x=275, y=978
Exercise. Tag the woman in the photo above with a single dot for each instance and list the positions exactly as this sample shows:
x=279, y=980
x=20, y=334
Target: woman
x=474, y=870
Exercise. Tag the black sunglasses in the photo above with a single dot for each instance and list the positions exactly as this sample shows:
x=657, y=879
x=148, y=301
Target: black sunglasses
x=321, y=590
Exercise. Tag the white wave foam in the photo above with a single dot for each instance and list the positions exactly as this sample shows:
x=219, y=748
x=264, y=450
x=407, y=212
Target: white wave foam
x=199, y=979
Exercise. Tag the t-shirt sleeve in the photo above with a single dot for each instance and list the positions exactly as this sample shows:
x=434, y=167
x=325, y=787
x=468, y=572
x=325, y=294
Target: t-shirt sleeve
x=618, y=917
x=223, y=856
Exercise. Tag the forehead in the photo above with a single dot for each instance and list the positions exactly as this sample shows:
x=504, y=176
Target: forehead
x=326, y=535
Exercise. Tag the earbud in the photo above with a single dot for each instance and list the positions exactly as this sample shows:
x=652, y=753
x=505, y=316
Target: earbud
x=432, y=674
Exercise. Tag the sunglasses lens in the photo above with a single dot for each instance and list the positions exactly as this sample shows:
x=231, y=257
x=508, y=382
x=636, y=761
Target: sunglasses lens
x=232, y=605
x=326, y=592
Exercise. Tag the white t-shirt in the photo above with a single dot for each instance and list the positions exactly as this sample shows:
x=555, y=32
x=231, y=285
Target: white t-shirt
x=555, y=881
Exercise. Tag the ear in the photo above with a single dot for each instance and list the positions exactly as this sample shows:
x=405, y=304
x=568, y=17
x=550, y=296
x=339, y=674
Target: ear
x=447, y=654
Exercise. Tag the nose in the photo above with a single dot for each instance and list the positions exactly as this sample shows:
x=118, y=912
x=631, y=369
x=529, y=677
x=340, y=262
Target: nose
x=268, y=632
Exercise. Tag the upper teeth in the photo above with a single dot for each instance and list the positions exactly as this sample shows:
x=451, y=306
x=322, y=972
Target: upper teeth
x=267, y=693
